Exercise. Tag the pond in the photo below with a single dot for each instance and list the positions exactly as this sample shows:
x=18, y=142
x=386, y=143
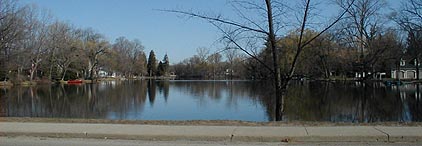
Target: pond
x=215, y=100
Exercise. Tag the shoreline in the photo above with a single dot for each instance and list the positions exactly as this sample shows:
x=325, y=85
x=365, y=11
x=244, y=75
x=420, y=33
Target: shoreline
x=47, y=82
x=84, y=81
x=204, y=122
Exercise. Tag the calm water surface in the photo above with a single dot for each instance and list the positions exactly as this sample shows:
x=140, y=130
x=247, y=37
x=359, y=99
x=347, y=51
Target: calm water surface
x=215, y=100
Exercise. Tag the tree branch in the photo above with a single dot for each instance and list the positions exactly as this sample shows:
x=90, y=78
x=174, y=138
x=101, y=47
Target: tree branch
x=216, y=19
x=241, y=48
x=301, y=46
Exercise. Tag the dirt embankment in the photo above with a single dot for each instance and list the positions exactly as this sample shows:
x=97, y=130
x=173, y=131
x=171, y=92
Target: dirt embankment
x=202, y=122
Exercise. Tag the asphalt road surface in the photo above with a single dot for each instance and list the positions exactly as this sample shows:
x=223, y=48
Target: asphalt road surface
x=42, y=141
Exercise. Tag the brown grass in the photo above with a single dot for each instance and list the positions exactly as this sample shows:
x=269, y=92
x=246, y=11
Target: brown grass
x=202, y=122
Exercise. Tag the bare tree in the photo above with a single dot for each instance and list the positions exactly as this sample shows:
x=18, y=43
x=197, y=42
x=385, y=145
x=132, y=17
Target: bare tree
x=409, y=18
x=11, y=31
x=233, y=30
x=360, y=27
x=93, y=45
x=36, y=38
x=31, y=44
x=231, y=55
x=130, y=53
x=137, y=57
x=215, y=62
x=412, y=13
x=64, y=48
x=203, y=53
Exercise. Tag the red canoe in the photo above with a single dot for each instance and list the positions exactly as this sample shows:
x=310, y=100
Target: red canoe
x=74, y=81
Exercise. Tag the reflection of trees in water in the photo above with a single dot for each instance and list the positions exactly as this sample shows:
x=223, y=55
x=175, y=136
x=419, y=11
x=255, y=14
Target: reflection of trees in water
x=381, y=104
x=214, y=90
x=342, y=101
x=41, y=101
x=414, y=104
x=230, y=91
x=263, y=93
x=76, y=101
x=3, y=105
x=163, y=88
x=201, y=90
x=127, y=97
x=349, y=101
x=151, y=91
x=311, y=101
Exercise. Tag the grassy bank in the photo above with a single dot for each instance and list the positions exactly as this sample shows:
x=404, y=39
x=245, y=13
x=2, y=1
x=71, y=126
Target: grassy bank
x=203, y=122
x=5, y=83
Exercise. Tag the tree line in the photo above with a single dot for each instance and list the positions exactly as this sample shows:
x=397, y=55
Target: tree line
x=225, y=64
x=367, y=41
x=36, y=47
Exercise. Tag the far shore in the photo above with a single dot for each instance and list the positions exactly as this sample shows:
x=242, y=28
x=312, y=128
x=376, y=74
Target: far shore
x=86, y=81
x=204, y=122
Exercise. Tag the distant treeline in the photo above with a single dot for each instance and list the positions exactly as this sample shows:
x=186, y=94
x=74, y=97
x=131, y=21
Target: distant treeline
x=328, y=56
x=34, y=46
x=369, y=41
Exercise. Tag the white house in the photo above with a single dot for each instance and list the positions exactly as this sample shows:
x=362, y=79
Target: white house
x=407, y=71
x=103, y=73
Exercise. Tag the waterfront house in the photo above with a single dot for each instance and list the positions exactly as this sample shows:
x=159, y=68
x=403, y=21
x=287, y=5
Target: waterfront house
x=104, y=73
x=407, y=70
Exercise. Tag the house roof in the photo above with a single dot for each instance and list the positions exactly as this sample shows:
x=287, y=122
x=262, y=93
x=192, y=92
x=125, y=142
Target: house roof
x=408, y=66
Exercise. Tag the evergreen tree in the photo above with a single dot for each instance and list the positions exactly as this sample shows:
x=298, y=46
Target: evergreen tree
x=160, y=69
x=163, y=67
x=166, y=65
x=152, y=64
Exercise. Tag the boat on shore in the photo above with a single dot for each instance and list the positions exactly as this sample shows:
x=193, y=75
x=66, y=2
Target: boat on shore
x=74, y=81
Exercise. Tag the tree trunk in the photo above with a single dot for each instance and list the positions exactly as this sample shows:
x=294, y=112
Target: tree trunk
x=325, y=68
x=50, y=71
x=90, y=66
x=64, y=74
x=51, y=63
x=417, y=68
x=398, y=71
x=374, y=75
x=33, y=70
x=19, y=74
x=277, y=75
x=91, y=74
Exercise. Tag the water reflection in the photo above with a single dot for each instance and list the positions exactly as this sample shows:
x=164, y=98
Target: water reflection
x=215, y=100
x=354, y=102
x=151, y=91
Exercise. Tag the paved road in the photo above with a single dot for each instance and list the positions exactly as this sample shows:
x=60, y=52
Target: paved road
x=37, y=141
x=215, y=133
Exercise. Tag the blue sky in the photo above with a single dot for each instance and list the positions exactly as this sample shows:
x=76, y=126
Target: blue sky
x=159, y=31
